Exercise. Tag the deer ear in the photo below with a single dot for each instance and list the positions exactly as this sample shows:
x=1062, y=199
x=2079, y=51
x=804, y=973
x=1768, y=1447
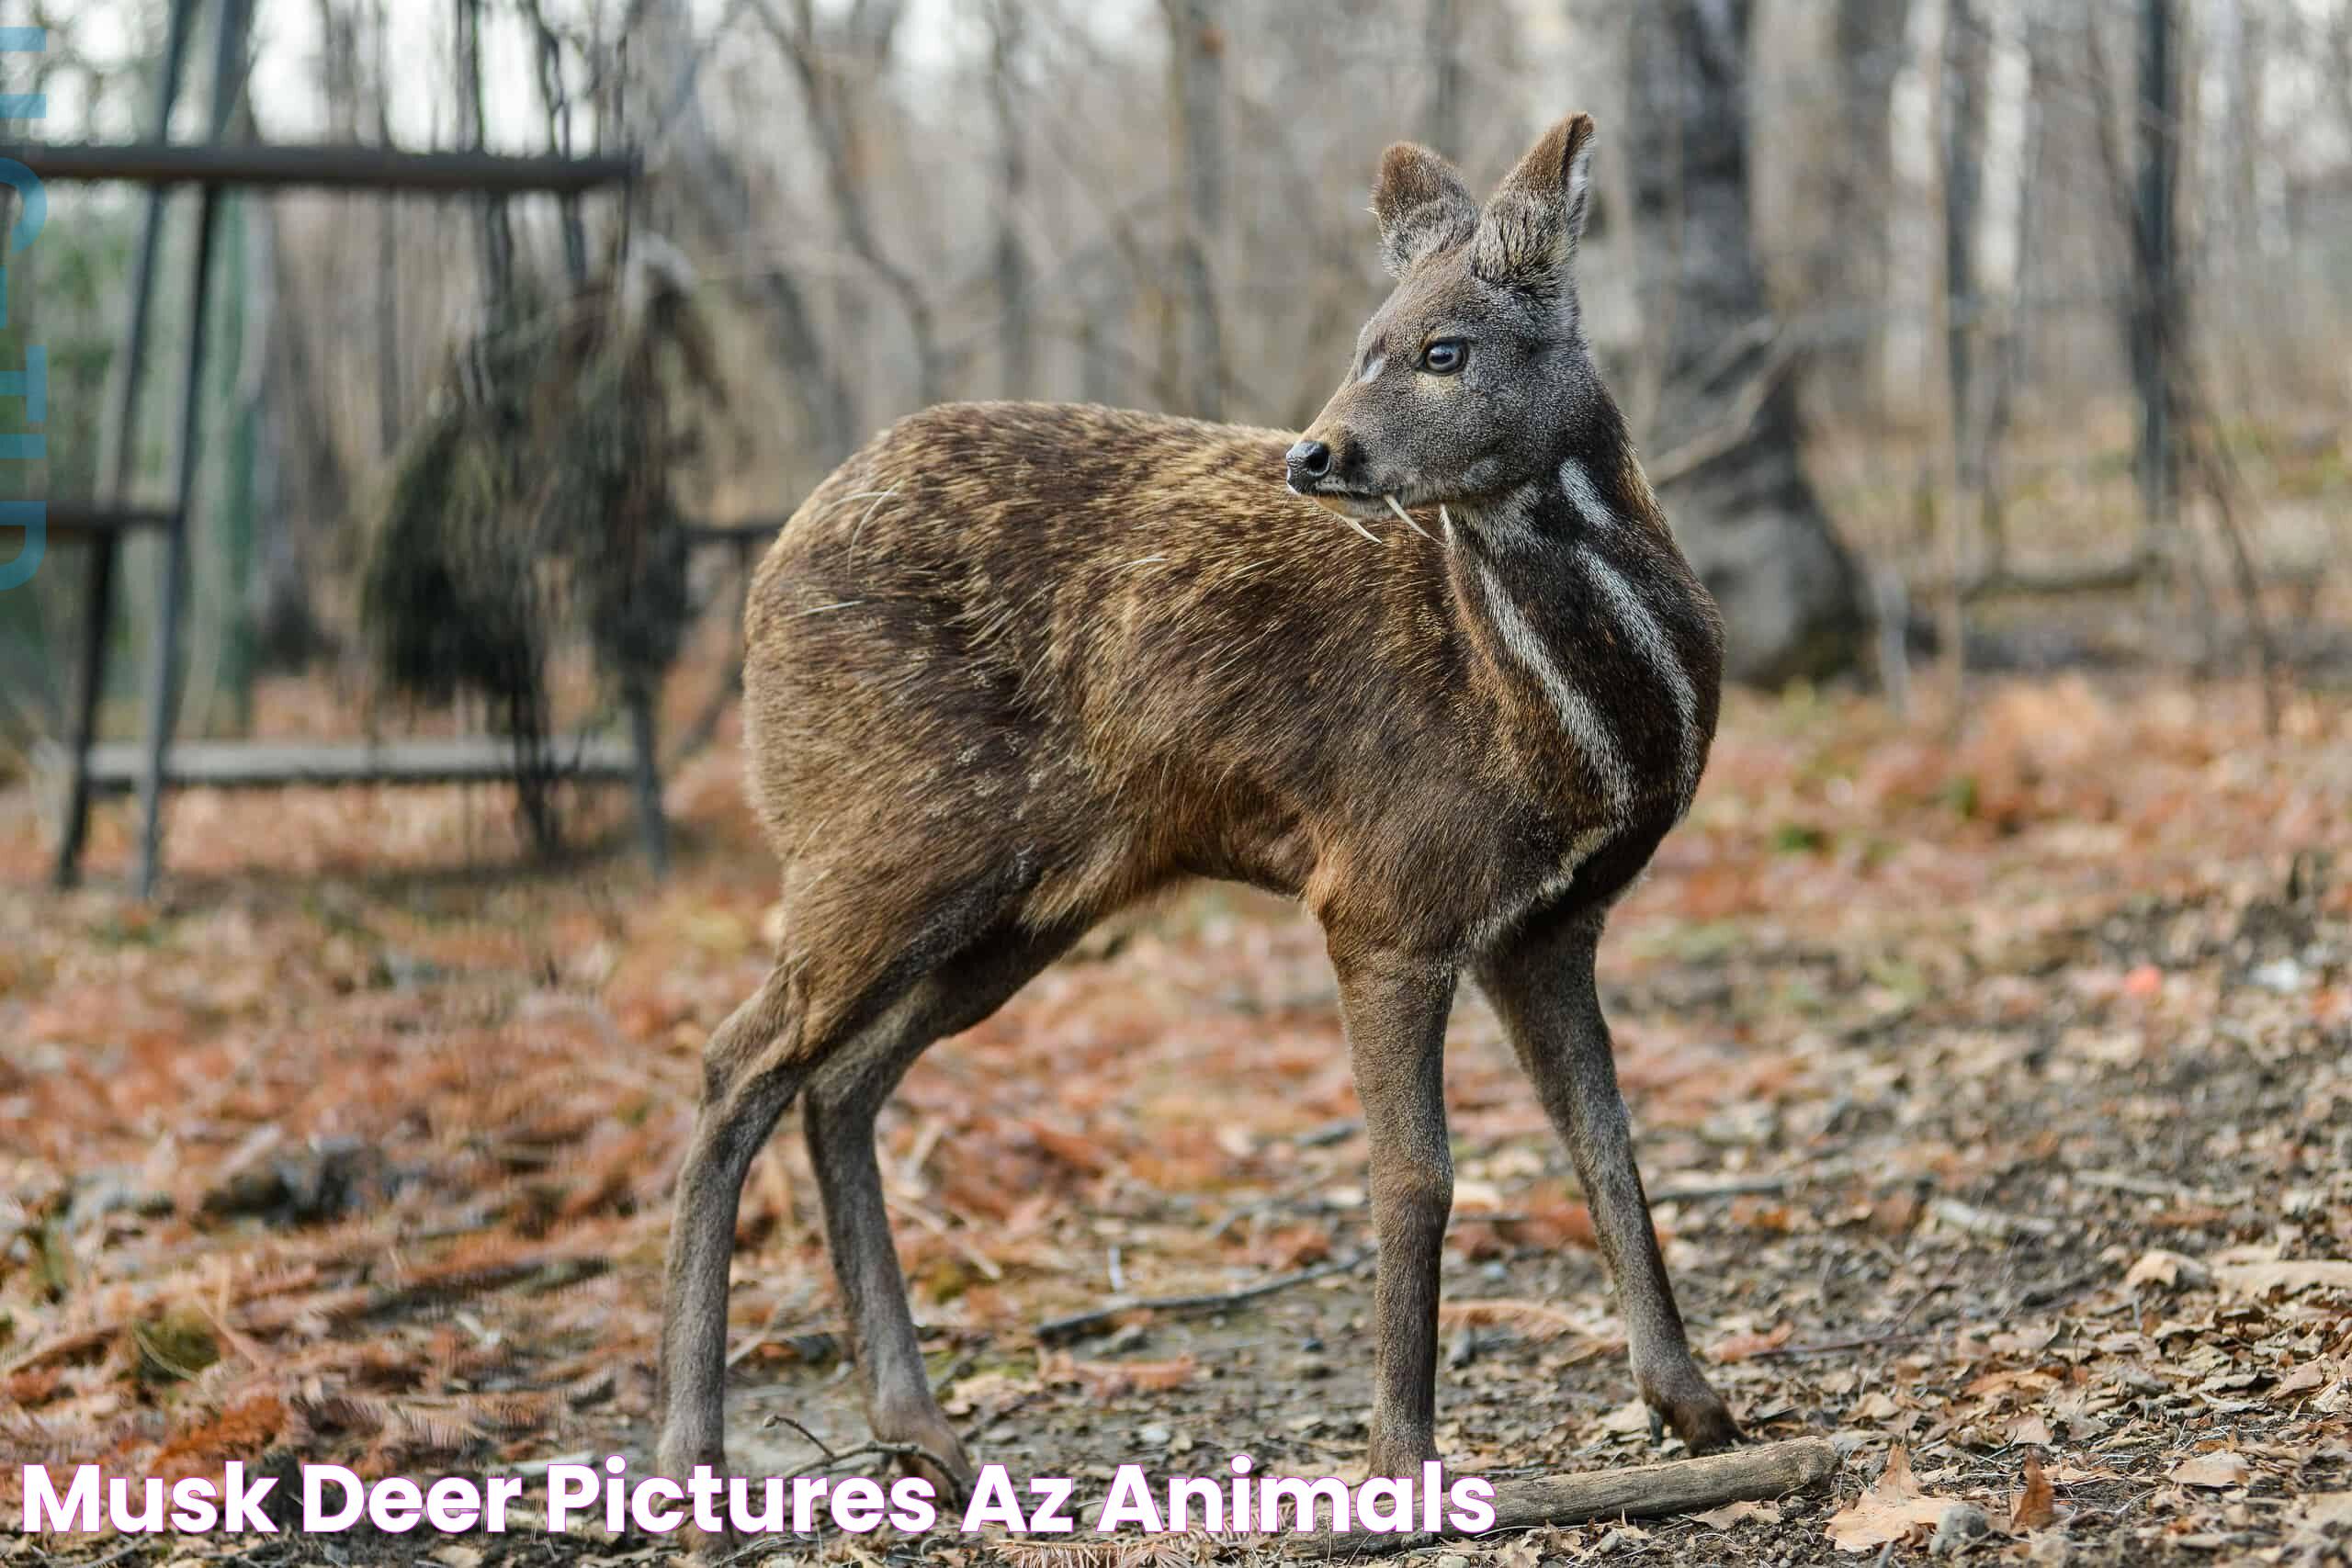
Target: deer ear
x=1422, y=204
x=1527, y=236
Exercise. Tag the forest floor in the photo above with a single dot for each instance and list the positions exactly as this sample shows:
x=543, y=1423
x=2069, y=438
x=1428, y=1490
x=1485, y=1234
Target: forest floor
x=1993, y=1081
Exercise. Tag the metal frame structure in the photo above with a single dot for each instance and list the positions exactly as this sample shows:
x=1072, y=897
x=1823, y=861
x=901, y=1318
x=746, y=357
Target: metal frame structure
x=213, y=167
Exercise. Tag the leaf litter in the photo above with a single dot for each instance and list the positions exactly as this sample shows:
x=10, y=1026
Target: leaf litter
x=1998, y=1098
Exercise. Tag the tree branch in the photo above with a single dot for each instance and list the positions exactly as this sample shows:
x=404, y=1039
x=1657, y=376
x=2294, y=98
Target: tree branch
x=1643, y=1492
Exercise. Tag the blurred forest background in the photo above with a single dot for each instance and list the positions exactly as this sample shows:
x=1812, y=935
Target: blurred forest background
x=1989, y=1024
x=2039, y=310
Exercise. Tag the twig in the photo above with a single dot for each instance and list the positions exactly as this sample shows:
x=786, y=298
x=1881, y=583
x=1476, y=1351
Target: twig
x=814, y=1441
x=1649, y=1491
x=879, y=1447
x=1267, y=1205
x=1989, y=1223
x=1724, y=1187
x=2156, y=1187
x=1683, y=461
x=1832, y=1347
x=2212, y=462
x=752, y=1548
x=1055, y=1330
x=2105, y=577
x=1891, y=601
x=117, y=1554
x=1337, y=1131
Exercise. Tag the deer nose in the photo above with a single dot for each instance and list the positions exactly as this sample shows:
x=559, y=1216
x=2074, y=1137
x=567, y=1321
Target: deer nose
x=1309, y=461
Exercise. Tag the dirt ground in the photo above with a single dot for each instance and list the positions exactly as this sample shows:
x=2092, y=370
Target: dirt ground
x=1993, y=1083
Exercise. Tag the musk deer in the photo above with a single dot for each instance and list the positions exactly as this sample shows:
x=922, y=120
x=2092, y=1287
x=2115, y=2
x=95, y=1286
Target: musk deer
x=1014, y=666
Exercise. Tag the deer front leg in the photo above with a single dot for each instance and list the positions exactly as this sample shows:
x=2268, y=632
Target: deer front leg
x=1542, y=985
x=1395, y=1007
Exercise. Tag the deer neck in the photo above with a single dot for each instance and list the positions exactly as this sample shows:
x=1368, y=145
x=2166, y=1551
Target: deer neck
x=1576, y=602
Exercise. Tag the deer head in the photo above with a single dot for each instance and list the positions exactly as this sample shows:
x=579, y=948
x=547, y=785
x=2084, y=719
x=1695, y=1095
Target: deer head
x=1466, y=381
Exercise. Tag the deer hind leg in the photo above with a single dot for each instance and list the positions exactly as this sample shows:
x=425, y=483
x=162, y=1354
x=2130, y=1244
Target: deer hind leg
x=747, y=1082
x=1542, y=987
x=842, y=1101
x=814, y=1004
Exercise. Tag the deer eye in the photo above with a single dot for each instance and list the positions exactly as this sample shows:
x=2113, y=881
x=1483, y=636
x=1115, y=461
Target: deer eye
x=1446, y=356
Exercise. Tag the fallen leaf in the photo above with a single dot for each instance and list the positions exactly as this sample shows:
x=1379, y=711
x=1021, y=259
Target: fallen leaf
x=1633, y=1416
x=1554, y=1223
x=1535, y=1320
x=969, y=1394
x=2302, y=1378
x=2032, y=1430
x=1894, y=1214
x=1753, y=1213
x=1108, y=1380
x=2220, y=1468
x=2311, y=1520
x=2292, y=1277
x=1073, y=1150
x=1730, y=1513
x=1740, y=1347
x=1891, y=1510
x=2070, y=1473
x=2159, y=1267
x=1875, y=1406
x=2037, y=1506
x=1291, y=1247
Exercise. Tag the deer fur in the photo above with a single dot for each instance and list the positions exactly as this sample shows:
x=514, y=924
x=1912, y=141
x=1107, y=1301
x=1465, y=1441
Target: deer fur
x=1014, y=666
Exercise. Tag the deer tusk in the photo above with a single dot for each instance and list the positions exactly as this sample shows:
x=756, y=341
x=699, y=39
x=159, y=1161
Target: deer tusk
x=1446, y=518
x=1393, y=505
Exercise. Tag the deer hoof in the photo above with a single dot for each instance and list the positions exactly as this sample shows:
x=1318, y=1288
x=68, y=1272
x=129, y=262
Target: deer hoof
x=700, y=1545
x=1705, y=1422
x=936, y=1454
x=1695, y=1411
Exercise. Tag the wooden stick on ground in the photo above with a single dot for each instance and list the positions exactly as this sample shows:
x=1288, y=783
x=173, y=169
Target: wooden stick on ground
x=1056, y=1330
x=1643, y=1492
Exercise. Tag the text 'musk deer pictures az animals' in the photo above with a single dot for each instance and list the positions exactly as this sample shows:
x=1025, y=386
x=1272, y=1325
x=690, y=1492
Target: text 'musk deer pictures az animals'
x=1014, y=666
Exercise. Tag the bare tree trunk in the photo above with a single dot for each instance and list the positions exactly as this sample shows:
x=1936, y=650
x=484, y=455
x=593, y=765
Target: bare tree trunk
x=290, y=439
x=1961, y=115
x=1441, y=43
x=2155, y=329
x=555, y=102
x=871, y=27
x=388, y=359
x=2008, y=350
x=2338, y=74
x=1100, y=376
x=825, y=401
x=1015, y=333
x=1727, y=439
x=2232, y=246
x=1967, y=56
x=339, y=69
x=707, y=205
x=1849, y=258
x=497, y=238
x=1195, y=104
